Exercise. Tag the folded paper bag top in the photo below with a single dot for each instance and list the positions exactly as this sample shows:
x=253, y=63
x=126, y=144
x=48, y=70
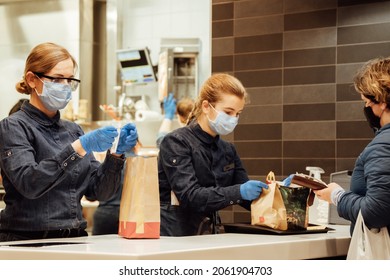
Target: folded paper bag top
x=308, y=182
x=269, y=210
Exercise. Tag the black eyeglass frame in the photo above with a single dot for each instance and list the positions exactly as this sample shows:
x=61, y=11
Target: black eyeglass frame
x=60, y=78
x=371, y=98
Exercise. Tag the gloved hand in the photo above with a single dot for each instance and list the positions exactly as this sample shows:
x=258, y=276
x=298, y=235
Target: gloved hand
x=169, y=106
x=127, y=139
x=252, y=189
x=287, y=181
x=99, y=140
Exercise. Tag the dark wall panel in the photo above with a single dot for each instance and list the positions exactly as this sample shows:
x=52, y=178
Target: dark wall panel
x=264, y=78
x=222, y=63
x=271, y=131
x=255, y=8
x=362, y=53
x=309, y=149
x=316, y=19
x=310, y=57
x=350, y=148
x=363, y=34
x=223, y=11
x=309, y=112
x=266, y=60
x=222, y=29
x=309, y=75
x=260, y=166
x=354, y=130
x=270, y=149
x=347, y=92
x=297, y=60
x=258, y=43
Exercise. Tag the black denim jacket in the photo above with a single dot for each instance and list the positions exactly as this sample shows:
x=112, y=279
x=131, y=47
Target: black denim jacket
x=204, y=172
x=44, y=178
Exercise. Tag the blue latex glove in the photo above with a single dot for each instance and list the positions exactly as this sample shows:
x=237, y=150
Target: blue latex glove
x=169, y=106
x=127, y=139
x=99, y=140
x=252, y=189
x=287, y=181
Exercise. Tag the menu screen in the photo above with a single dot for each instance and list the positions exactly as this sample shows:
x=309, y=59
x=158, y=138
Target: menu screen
x=136, y=66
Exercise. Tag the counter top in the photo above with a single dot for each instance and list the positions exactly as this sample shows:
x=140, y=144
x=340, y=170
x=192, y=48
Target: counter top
x=222, y=246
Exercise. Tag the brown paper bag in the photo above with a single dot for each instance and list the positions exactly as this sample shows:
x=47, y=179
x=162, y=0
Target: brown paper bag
x=269, y=210
x=139, y=215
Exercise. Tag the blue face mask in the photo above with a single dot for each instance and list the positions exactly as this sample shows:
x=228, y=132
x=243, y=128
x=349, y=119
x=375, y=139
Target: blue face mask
x=55, y=96
x=223, y=123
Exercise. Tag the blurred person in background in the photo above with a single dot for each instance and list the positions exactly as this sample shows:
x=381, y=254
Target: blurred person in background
x=181, y=110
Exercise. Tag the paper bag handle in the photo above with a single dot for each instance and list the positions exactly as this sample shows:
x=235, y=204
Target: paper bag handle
x=270, y=177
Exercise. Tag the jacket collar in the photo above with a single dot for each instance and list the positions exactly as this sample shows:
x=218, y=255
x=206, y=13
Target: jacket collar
x=38, y=115
x=201, y=134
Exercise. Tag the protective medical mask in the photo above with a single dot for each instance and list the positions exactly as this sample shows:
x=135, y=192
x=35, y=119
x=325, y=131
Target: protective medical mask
x=55, y=96
x=223, y=123
x=373, y=121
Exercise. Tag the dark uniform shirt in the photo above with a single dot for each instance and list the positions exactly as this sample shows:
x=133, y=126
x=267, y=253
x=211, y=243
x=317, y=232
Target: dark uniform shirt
x=44, y=178
x=204, y=173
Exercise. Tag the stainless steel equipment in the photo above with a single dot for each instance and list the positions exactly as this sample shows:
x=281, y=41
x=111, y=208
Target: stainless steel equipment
x=178, y=67
x=343, y=178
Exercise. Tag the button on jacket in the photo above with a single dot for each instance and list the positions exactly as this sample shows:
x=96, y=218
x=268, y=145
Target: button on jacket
x=44, y=178
x=204, y=173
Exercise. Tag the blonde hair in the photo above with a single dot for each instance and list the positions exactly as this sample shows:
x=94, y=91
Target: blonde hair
x=184, y=107
x=214, y=88
x=42, y=59
x=372, y=80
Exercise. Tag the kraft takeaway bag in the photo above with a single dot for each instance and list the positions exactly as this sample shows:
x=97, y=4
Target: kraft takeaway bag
x=269, y=209
x=139, y=215
x=296, y=201
x=368, y=244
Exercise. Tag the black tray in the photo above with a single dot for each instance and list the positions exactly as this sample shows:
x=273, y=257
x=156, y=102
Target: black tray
x=248, y=228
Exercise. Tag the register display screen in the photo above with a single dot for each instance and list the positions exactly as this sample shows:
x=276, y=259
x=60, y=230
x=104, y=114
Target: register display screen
x=136, y=66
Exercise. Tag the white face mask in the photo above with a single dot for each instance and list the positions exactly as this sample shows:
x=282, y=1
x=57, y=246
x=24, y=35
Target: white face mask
x=55, y=96
x=223, y=123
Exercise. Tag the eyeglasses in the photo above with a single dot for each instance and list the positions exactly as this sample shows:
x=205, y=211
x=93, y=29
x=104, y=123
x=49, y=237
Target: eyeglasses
x=72, y=82
x=369, y=100
x=369, y=103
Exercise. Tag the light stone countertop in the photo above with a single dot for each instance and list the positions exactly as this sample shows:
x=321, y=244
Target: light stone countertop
x=222, y=246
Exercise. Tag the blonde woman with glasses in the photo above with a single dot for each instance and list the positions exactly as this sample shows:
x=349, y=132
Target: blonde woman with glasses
x=47, y=163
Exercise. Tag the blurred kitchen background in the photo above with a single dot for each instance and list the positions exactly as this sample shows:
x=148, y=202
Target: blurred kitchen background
x=93, y=31
x=295, y=57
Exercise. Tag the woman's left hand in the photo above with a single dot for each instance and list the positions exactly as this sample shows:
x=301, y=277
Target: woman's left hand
x=127, y=139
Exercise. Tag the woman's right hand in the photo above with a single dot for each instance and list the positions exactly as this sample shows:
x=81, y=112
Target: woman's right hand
x=252, y=189
x=99, y=140
x=326, y=193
